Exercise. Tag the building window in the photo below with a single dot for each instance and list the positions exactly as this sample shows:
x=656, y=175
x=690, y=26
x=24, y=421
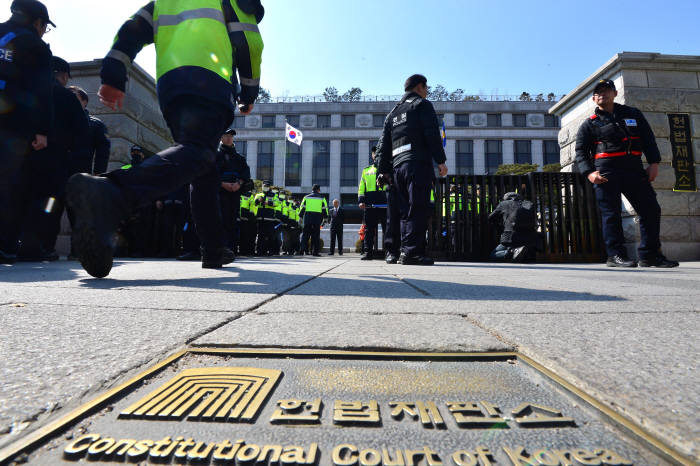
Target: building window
x=239, y=122
x=292, y=165
x=378, y=120
x=550, y=121
x=266, y=160
x=268, y=121
x=494, y=156
x=523, y=152
x=348, y=163
x=293, y=120
x=348, y=200
x=372, y=143
x=493, y=120
x=241, y=148
x=519, y=120
x=321, y=168
x=462, y=120
x=551, y=152
x=347, y=121
x=464, y=158
x=323, y=121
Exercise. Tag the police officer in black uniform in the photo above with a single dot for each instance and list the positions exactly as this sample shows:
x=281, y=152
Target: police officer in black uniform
x=99, y=137
x=609, y=146
x=408, y=146
x=26, y=84
x=235, y=179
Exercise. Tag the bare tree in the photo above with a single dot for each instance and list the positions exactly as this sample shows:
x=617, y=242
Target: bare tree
x=439, y=93
x=354, y=94
x=264, y=96
x=525, y=97
x=331, y=94
x=456, y=96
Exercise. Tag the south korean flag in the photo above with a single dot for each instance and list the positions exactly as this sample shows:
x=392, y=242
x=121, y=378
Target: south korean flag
x=294, y=135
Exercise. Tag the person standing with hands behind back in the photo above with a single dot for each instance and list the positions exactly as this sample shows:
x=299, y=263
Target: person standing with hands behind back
x=609, y=147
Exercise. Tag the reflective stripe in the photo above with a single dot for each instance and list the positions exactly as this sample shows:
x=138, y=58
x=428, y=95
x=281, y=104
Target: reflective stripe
x=7, y=38
x=250, y=82
x=199, y=13
x=143, y=13
x=119, y=56
x=401, y=150
x=603, y=155
x=241, y=27
x=2, y=85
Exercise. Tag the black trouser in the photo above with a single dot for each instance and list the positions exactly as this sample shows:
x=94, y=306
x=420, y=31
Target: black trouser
x=196, y=125
x=190, y=240
x=639, y=192
x=392, y=235
x=266, y=240
x=373, y=218
x=171, y=219
x=14, y=148
x=413, y=182
x=313, y=231
x=246, y=245
x=337, y=233
x=230, y=209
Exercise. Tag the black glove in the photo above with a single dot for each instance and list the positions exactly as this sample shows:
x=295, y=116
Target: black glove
x=384, y=179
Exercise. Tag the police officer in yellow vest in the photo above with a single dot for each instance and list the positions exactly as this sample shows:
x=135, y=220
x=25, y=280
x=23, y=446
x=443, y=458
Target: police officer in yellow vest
x=372, y=199
x=314, y=208
x=201, y=46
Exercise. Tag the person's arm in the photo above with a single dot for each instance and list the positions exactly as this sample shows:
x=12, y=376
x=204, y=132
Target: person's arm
x=102, y=148
x=135, y=33
x=384, y=149
x=584, y=149
x=38, y=81
x=302, y=207
x=431, y=132
x=81, y=141
x=651, y=150
x=248, y=46
x=361, y=189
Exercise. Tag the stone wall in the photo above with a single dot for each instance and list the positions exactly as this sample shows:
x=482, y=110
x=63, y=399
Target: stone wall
x=656, y=84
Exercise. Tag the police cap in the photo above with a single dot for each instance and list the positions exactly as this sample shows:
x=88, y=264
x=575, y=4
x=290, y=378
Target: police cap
x=32, y=9
x=136, y=148
x=604, y=83
x=230, y=131
x=60, y=65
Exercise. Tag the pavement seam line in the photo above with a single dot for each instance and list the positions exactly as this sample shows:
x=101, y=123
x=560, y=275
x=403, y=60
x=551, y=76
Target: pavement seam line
x=491, y=332
x=420, y=290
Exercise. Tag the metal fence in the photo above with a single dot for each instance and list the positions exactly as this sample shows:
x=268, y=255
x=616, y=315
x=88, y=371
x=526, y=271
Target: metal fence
x=394, y=98
x=568, y=219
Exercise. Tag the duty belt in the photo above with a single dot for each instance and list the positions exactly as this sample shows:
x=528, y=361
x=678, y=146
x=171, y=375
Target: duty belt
x=603, y=155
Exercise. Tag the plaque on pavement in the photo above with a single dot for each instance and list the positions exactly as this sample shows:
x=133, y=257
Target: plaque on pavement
x=217, y=406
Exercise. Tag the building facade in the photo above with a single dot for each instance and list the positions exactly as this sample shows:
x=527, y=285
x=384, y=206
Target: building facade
x=338, y=137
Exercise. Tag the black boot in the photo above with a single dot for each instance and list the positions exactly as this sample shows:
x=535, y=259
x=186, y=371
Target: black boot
x=415, y=260
x=620, y=261
x=391, y=258
x=97, y=207
x=217, y=258
x=658, y=261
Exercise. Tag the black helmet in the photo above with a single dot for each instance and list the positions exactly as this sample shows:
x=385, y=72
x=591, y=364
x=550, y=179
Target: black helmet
x=31, y=9
x=59, y=65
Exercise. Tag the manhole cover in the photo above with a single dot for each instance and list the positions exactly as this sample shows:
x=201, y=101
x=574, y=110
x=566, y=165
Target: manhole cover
x=344, y=408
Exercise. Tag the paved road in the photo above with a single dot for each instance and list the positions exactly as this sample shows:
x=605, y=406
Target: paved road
x=628, y=337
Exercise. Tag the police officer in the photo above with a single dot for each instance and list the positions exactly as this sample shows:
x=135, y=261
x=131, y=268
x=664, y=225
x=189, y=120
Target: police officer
x=409, y=144
x=609, y=146
x=246, y=243
x=26, y=85
x=235, y=179
x=99, y=137
x=198, y=49
x=372, y=200
x=314, y=208
x=47, y=171
x=265, y=205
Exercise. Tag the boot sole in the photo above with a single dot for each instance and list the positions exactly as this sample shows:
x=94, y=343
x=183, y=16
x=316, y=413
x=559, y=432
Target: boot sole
x=95, y=256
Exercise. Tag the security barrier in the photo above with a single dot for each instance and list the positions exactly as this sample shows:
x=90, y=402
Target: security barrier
x=568, y=219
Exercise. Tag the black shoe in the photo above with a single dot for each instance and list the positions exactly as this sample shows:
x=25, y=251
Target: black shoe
x=7, y=258
x=368, y=256
x=317, y=255
x=415, y=260
x=658, y=261
x=620, y=261
x=97, y=207
x=330, y=254
x=391, y=258
x=217, y=259
x=190, y=256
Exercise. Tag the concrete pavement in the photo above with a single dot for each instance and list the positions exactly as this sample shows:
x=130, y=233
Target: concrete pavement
x=627, y=337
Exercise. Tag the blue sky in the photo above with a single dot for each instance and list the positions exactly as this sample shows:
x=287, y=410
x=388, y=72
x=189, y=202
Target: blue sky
x=494, y=47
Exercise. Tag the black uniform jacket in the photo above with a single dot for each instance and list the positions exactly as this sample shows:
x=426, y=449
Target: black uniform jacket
x=99, y=144
x=26, y=80
x=233, y=167
x=337, y=217
x=411, y=133
x=137, y=32
x=614, y=142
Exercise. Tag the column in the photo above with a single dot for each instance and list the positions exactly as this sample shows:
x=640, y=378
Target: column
x=334, y=188
x=307, y=158
x=450, y=151
x=508, y=147
x=537, y=146
x=362, y=157
x=279, y=161
x=479, y=156
x=252, y=158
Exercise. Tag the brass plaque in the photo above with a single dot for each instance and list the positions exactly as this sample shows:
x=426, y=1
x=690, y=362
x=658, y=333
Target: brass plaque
x=212, y=406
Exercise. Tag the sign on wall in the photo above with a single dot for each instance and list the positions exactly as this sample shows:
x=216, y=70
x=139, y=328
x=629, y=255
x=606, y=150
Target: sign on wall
x=682, y=148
